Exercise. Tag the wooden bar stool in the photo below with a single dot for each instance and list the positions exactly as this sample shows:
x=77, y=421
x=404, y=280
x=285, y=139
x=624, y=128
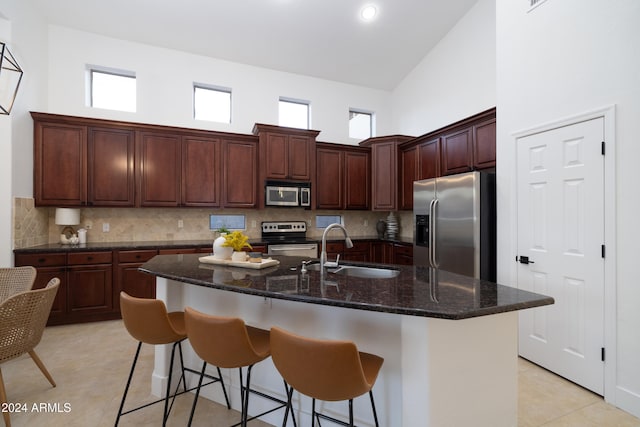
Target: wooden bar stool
x=328, y=370
x=148, y=322
x=226, y=342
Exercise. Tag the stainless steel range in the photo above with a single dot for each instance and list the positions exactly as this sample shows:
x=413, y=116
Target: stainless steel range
x=288, y=238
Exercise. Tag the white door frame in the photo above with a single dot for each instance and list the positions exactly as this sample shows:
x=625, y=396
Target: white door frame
x=610, y=285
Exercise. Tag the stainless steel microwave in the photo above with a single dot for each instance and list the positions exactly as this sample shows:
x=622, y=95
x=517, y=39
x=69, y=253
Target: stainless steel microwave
x=279, y=193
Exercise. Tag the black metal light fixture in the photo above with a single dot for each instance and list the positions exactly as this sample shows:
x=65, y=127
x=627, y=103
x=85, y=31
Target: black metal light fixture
x=10, y=77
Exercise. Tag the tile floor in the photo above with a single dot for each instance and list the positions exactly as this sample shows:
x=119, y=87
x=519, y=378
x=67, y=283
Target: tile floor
x=90, y=363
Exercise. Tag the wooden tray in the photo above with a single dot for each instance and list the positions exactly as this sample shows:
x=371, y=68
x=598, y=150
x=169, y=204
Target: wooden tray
x=266, y=262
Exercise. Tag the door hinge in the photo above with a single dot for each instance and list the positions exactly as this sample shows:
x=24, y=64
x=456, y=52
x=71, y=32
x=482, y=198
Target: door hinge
x=603, y=250
x=602, y=354
x=603, y=147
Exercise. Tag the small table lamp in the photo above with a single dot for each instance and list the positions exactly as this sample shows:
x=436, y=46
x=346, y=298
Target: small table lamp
x=67, y=217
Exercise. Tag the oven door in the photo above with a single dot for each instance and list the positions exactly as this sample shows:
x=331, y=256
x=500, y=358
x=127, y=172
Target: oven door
x=282, y=196
x=309, y=250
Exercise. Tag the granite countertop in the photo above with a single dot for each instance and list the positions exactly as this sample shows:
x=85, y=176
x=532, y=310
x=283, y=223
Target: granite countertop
x=416, y=291
x=169, y=244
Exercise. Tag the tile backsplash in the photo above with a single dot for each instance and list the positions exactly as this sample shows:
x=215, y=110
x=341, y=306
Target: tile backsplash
x=36, y=226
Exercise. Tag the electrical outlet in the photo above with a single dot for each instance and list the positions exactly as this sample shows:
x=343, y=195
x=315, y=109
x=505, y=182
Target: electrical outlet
x=180, y=223
x=88, y=225
x=366, y=222
x=105, y=227
x=253, y=223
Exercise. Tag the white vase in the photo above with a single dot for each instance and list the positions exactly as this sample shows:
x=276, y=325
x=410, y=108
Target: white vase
x=219, y=251
x=239, y=256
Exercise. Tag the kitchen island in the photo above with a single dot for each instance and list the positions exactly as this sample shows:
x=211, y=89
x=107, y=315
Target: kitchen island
x=449, y=341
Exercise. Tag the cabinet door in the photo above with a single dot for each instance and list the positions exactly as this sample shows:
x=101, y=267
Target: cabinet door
x=59, y=307
x=299, y=158
x=329, y=179
x=457, y=152
x=90, y=290
x=382, y=252
x=276, y=154
x=60, y=164
x=110, y=167
x=384, y=172
x=484, y=144
x=408, y=174
x=239, y=163
x=357, y=178
x=200, y=172
x=359, y=252
x=429, y=159
x=402, y=254
x=160, y=170
x=129, y=279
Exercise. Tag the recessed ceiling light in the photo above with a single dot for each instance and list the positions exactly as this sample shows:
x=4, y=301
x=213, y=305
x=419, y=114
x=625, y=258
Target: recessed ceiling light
x=368, y=12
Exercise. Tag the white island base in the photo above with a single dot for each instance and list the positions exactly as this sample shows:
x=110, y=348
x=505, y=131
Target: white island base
x=436, y=372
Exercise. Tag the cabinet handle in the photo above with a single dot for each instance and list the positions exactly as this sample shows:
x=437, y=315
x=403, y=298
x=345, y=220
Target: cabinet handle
x=41, y=260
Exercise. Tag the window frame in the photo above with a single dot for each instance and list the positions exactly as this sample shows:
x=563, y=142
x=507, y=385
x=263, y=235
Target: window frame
x=91, y=69
x=307, y=104
x=371, y=115
x=221, y=89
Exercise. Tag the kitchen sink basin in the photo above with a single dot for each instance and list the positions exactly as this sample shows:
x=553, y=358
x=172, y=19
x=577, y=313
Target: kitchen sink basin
x=359, y=271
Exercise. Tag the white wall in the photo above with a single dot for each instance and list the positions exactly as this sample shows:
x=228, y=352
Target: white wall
x=20, y=25
x=559, y=60
x=562, y=59
x=165, y=79
x=455, y=80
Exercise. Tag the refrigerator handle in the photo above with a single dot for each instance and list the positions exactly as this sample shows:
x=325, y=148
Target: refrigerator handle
x=430, y=243
x=432, y=232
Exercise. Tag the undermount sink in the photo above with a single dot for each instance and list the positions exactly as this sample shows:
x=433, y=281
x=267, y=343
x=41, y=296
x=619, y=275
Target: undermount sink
x=359, y=271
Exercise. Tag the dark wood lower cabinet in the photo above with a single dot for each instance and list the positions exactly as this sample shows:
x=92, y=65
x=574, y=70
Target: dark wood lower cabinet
x=91, y=281
x=129, y=279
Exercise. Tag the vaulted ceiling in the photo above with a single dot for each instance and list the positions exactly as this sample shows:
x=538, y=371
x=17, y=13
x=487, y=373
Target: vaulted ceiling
x=320, y=38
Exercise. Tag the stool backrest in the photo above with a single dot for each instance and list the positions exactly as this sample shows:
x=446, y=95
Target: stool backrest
x=147, y=320
x=221, y=341
x=328, y=370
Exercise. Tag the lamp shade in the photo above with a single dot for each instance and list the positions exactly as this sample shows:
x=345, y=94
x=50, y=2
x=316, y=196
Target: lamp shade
x=10, y=77
x=67, y=216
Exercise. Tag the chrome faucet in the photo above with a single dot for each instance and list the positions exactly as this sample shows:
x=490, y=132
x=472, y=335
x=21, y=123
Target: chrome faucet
x=323, y=254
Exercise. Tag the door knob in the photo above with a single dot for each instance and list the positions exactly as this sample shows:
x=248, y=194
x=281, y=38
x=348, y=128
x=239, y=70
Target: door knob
x=524, y=260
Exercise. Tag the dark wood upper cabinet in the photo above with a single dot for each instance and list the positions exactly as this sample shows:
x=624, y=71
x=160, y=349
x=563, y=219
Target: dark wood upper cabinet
x=484, y=144
x=160, y=169
x=60, y=164
x=429, y=159
x=330, y=179
x=457, y=151
x=285, y=154
x=384, y=171
x=357, y=191
x=466, y=145
x=343, y=177
x=201, y=166
x=110, y=167
x=409, y=170
x=239, y=166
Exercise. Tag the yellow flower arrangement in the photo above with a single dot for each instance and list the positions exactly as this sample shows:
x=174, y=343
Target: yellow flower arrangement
x=237, y=240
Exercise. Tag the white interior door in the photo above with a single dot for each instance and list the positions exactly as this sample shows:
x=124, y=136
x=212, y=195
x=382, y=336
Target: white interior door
x=561, y=230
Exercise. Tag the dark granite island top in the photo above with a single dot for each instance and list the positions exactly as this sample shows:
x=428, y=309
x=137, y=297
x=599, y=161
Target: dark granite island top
x=416, y=291
x=449, y=343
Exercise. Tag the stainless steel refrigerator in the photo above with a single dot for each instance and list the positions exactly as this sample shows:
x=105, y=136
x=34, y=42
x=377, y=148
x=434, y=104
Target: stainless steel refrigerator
x=455, y=224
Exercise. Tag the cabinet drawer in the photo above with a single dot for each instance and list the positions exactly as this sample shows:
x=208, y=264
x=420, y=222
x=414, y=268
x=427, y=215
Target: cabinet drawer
x=360, y=247
x=136, y=256
x=403, y=250
x=335, y=247
x=178, y=251
x=41, y=260
x=90, y=258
